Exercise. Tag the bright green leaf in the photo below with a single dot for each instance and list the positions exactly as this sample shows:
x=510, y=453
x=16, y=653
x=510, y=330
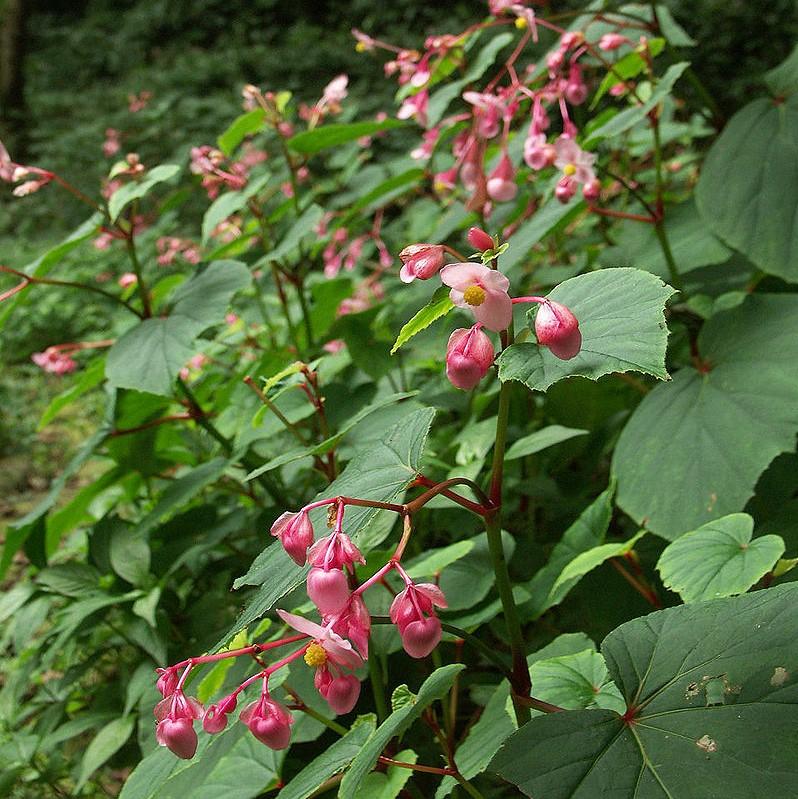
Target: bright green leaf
x=227, y=204
x=313, y=141
x=137, y=189
x=241, y=127
x=621, y=318
x=437, y=307
x=718, y=559
x=541, y=439
x=109, y=740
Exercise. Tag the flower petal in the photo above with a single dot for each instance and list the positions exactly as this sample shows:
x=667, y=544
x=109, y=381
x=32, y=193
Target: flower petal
x=302, y=625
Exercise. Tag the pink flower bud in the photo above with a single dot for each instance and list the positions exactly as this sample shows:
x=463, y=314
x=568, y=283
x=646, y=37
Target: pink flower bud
x=342, y=693
x=295, y=532
x=565, y=189
x=611, y=41
x=558, y=329
x=334, y=552
x=215, y=718
x=555, y=60
x=269, y=722
x=575, y=88
x=328, y=590
x=178, y=736
x=591, y=191
x=420, y=637
x=469, y=355
x=167, y=681
x=480, y=240
x=501, y=182
x=421, y=261
x=355, y=624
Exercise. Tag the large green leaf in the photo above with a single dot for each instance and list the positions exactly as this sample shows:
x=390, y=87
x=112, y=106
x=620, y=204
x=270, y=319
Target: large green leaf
x=109, y=740
x=241, y=127
x=434, y=687
x=149, y=356
x=313, y=141
x=620, y=313
x=381, y=472
x=227, y=204
x=718, y=559
x=706, y=437
x=139, y=188
x=783, y=79
x=232, y=764
x=294, y=236
x=748, y=191
x=541, y=439
x=711, y=711
x=330, y=762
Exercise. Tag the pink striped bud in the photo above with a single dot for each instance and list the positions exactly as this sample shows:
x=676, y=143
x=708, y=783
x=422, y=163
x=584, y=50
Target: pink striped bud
x=342, y=693
x=501, y=182
x=591, y=191
x=295, y=532
x=480, y=240
x=421, y=261
x=215, y=718
x=269, y=722
x=420, y=637
x=558, y=329
x=469, y=355
x=328, y=590
x=565, y=189
x=178, y=736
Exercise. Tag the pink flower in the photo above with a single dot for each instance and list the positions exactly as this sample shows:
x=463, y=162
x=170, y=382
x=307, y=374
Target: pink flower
x=558, y=329
x=215, y=718
x=424, y=151
x=421, y=261
x=501, y=182
x=328, y=589
x=354, y=623
x=574, y=161
x=364, y=42
x=334, y=552
x=612, y=41
x=482, y=290
x=538, y=153
x=295, y=532
x=415, y=106
x=167, y=681
x=479, y=239
x=336, y=649
x=412, y=611
x=175, y=728
x=445, y=181
x=111, y=144
x=268, y=721
x=488, y=111
x=54, y=361
x=591, y=191
x=565, y=189
x=469, y=355
x=575, y=88
x=341, y=691
x=128, y=279
x=335, y=91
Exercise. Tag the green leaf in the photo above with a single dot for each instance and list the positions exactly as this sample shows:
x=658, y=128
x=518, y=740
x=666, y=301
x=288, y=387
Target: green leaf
x=497, y=723
x=227, y=204
x=44, y=263
x=620, y=313
x=436, y=560
x=439, y=101
x=701, y=682
x=434, y=687
x=707, y=436
x=331, y=442
x=542, y=439
x=232, y=764
x=693, y=245
x=629, y=66
x=748, y=190
x=436, y=308
x=313, y=141
x=109, y=740
x=718, y=559
x=70, y=579
x=387, y=190
x=552, y=216
x=584, y=534
x=783, y=79
x=334, y=759
x=138, y=188
x=295, y=234
x=90, y=378
x=388, y=784
x=585, y=562
x=149, y=356
x=381, y=472
x=241, y=127
x=631, y=116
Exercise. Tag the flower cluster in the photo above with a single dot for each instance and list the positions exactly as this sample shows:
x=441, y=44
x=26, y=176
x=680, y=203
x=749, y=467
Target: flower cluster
x=483, y=291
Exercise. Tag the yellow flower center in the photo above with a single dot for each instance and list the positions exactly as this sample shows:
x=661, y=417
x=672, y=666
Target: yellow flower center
x=520, y=23
x=569, y=169
x=360, y=47
x=474, y=295
x=315, y=656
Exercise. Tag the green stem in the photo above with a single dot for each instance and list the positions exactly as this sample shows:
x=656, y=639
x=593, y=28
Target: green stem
x=142, y=286
x=303, y=304
x=659, y=225
x=520, y=682
x=378, y=689
x=487, y=652
x=284, y=303
x=467, y=786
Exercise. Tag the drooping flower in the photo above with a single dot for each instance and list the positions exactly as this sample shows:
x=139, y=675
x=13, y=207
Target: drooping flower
x=538, y=153
x=269, y=721
x=175, y=728
x=421, y=261
x=612, y=41
x=558, y=329
x=481, y=290
x=574, y=162
x=413, y=612
x=295, y=532
x=501, y=182
x=469, y=355
x=336, y=649
x=215, y=718
x=415, y=106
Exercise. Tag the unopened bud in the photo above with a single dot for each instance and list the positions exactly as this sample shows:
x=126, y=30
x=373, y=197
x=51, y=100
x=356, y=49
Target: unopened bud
x=558, y=329
x=469, y=355
x=480, y=240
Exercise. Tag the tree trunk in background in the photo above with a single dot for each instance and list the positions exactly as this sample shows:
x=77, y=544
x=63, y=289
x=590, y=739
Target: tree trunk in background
x=13, y=19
